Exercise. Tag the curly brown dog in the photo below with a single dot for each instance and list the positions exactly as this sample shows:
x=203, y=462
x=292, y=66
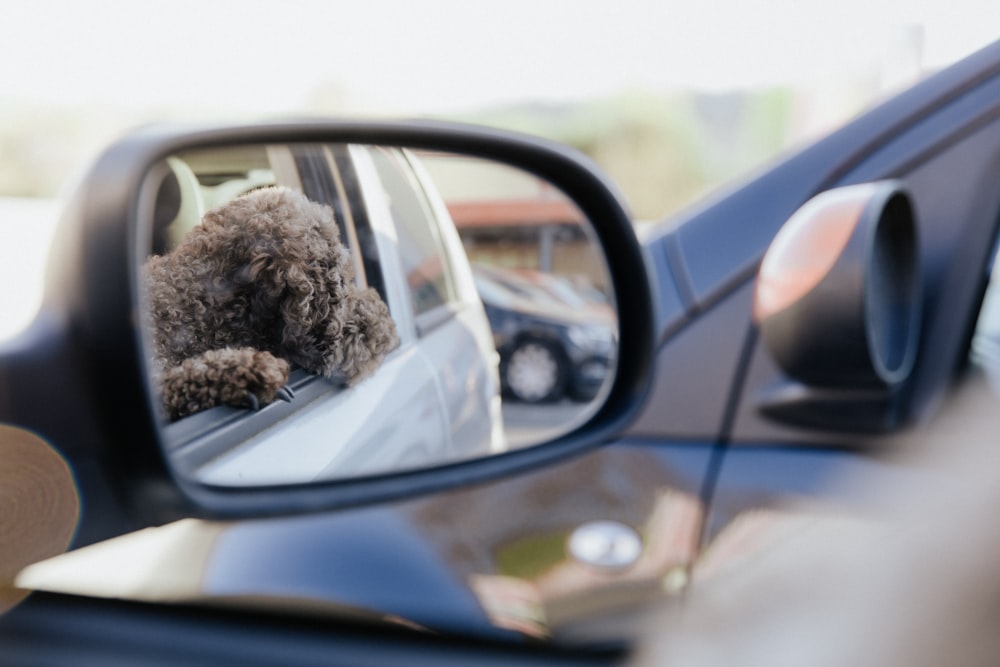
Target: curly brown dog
x=262, y=282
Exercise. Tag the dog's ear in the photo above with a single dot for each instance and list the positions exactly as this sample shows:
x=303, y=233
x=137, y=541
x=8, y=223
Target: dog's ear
x=337, y=329
x=368, y=334
x=303, y=279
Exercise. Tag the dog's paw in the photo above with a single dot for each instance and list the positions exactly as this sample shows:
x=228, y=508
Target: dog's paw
x=240, y=377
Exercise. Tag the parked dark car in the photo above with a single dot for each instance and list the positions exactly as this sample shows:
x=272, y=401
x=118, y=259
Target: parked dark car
x=549, y=349
x=798, y=327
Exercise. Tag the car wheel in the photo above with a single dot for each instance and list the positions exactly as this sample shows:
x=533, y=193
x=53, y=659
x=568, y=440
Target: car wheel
x=535, y=372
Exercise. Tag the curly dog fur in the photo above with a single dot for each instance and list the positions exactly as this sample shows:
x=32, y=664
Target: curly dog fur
x=261, y=283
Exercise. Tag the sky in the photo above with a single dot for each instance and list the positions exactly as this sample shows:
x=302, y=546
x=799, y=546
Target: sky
x=445, y=56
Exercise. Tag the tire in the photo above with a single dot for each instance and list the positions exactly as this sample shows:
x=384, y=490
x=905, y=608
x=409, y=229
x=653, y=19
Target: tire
x=535, y=372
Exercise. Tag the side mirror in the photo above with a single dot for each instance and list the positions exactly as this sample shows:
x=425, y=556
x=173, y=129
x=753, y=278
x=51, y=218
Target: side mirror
x=837, y=302
x=419, y=410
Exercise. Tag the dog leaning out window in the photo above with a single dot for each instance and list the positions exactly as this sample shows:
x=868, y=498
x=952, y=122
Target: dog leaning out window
x=262, y=283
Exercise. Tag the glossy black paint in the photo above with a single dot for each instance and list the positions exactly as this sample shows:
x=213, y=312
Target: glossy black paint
x=848, y=343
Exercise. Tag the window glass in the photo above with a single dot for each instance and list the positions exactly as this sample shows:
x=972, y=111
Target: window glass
x=355, y=213
x=420, y=247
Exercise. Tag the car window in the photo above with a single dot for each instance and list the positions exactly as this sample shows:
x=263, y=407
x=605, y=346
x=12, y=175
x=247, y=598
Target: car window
x=355, y=213
x=421, y=250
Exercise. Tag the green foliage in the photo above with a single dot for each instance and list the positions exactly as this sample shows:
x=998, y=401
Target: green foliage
x=663, y=151
x=530, y=557
x=36, y=147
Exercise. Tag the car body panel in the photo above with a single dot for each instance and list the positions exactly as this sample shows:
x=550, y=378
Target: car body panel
x=468, y=388
x=363, y=445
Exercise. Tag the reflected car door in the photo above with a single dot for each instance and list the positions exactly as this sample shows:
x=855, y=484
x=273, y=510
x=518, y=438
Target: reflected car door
x=407, y=385
x=449, y=324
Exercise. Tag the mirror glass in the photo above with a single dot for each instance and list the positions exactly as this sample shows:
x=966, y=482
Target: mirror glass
x=328, y=311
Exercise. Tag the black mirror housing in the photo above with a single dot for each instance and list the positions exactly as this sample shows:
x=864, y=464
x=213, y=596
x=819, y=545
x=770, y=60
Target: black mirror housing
x=837, y=303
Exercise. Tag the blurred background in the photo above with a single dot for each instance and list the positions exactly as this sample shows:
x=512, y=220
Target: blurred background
x=672, y=98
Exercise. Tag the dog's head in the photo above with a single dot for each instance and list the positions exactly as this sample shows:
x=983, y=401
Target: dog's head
x=270, y=267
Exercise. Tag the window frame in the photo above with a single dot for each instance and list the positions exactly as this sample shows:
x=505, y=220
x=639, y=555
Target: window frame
x=436, y=315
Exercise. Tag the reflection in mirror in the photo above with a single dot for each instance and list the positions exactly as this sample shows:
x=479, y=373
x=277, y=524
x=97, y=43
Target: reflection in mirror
x=328, y=311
